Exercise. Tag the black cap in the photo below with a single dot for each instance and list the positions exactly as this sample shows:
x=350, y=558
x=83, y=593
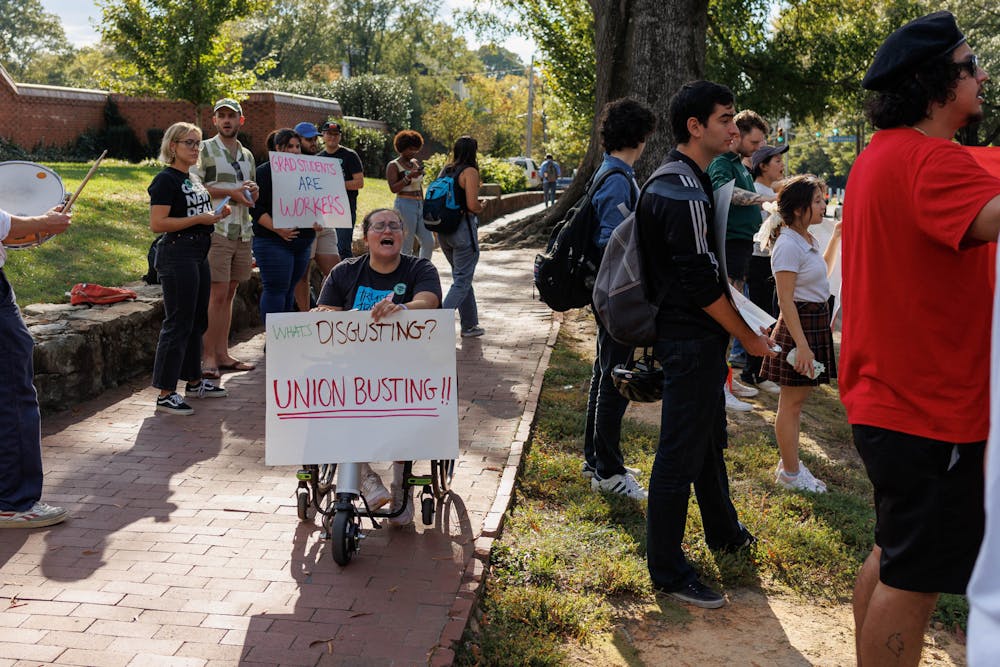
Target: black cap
x=910, y=46
x=766, y=153
x=330, y=126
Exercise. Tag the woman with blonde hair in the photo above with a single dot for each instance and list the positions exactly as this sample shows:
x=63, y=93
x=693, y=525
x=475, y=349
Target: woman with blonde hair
x=180, y=208
x=803, y=331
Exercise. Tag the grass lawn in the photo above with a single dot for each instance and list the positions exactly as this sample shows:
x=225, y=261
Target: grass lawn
x=570, y=566
x=110, y=236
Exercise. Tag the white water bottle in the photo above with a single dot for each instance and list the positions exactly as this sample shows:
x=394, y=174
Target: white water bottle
x=818, y=366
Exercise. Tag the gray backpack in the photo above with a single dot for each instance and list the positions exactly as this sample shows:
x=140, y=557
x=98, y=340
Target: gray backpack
x=625, y=303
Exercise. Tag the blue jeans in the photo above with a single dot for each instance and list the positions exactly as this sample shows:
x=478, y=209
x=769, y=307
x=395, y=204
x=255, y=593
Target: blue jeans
x=549, y=192
x=411, y=211
x=692, y=438
x=182, y=265
x=20, y=422
x=345, y=235
x=461, y=249
x=605, y=408
x=281, y=263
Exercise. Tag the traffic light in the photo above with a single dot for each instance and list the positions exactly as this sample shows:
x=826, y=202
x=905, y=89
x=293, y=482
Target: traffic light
x=781, y=135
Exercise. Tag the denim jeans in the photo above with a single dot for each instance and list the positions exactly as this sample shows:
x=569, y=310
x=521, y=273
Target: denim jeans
x=549, y=192
x=345, y=236
x=692, y=438
x=605, y=408
x=461, y=249
x=20, y=422
x=182, y=265
x=411, y=211
x=281, y=263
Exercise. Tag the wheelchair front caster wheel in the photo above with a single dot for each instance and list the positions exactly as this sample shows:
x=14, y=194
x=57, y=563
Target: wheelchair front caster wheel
x=344, y=537
x=302, y=503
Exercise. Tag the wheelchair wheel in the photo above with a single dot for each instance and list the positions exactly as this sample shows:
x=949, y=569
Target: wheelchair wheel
x=302, y=503
x=427, y=510
x=344, y=537
x=442, y=470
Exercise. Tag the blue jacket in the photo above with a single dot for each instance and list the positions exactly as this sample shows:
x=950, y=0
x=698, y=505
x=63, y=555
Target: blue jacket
x=615, y=200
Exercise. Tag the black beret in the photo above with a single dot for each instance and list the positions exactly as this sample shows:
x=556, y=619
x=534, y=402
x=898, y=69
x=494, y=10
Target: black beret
x=910, y=46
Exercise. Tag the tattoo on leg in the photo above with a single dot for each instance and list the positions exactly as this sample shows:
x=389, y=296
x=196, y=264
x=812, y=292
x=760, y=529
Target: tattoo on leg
x=895, y=644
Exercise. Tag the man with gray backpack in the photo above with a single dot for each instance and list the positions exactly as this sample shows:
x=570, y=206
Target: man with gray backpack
x=694, y=317
x=624, y=125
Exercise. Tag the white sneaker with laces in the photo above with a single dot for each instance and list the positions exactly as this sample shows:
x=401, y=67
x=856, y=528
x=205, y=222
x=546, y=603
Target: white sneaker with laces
x=374, y=491
x=742, y=391
x=735, y=404
x=39, y=516
x=804, y=481
x=624, y=485
x=588, y=472
x=769, y=387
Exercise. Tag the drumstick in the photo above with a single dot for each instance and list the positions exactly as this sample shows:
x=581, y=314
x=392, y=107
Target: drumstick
x=86, y=178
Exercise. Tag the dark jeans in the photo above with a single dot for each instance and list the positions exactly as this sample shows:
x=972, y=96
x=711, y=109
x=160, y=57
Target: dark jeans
x=549, y=192
x=183, y=268
x=605, y=408
x=461, y=249
x=20, y=423
x=692, y=438
x=760, y=290
x=281, y=263
x=345, y=235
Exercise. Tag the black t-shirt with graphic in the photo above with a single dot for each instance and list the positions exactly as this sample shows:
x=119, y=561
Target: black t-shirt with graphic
x=354, y=285
x=184, y=195
x=350, y=164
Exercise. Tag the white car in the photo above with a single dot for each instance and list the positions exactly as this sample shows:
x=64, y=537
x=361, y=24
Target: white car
x=531, y=174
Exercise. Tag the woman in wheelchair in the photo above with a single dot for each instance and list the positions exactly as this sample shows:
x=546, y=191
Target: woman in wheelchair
x=385, y=282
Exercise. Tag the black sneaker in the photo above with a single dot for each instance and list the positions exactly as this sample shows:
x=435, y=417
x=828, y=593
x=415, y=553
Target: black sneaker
x=173, y=404
x=204, y=389
x=699, y=595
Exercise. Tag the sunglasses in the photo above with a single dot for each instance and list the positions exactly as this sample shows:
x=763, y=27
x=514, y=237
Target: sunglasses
x=380, y=225
x=971, y=66
x=190, y=143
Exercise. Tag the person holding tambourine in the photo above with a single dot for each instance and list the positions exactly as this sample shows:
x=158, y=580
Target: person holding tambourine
x=20, y=435
x=181, y=209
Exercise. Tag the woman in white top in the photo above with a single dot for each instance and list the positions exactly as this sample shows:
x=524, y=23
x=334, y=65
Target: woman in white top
x=800, y=273
x=406, y=177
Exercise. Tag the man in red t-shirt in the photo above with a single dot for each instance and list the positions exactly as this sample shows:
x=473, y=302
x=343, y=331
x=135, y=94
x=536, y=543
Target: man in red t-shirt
x=919, y=218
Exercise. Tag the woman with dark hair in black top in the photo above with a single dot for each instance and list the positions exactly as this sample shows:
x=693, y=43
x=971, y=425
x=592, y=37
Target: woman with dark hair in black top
x=461, y=247
x=180, y=208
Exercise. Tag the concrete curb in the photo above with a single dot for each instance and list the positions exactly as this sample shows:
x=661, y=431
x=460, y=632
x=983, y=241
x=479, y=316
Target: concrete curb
x=474, y=577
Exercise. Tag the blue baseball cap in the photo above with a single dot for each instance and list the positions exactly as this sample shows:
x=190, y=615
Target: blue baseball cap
x=306, y=130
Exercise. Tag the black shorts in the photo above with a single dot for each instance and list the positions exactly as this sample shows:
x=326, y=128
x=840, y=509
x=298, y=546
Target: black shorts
x=929, y=516
x=738, y=253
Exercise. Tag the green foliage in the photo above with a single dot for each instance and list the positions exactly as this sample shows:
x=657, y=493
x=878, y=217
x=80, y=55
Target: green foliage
x=508, y=176
x=980, y=21
x=27, y=33
x=168, y=48
x=74, y=67
x=498, y=61
x=372, y=146
x=374, y=96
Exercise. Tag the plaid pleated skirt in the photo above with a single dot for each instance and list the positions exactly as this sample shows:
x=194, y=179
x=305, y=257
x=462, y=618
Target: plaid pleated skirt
x=815, y=319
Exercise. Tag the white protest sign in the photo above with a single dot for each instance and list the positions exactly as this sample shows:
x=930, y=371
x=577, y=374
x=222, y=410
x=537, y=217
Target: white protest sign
x=343, y=388
x=307, y=189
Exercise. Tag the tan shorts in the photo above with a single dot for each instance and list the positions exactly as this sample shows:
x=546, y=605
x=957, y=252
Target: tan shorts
x=325, y=243
x=229, y=260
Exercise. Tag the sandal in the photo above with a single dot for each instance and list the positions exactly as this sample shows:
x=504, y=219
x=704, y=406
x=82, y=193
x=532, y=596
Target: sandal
x=211, y=374
x=237, y=366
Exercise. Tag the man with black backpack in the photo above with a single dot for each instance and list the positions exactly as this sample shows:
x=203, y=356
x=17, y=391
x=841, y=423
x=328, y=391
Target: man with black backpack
x=624, y=126
x=550, y=171
x=695, y=319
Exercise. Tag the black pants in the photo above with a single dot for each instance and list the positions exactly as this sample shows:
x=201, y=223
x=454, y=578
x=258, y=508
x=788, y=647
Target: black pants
x=182, y=264
x=760, y=290
x=605, y=408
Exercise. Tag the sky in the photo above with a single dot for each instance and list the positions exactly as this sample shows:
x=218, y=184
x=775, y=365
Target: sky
x=79, y=15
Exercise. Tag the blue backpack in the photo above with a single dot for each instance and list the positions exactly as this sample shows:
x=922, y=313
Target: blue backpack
x=443, y=213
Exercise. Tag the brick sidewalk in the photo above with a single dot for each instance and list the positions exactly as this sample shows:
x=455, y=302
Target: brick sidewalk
x=184, y=549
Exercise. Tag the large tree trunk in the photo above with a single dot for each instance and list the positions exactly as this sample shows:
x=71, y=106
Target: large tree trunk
x=644, y=49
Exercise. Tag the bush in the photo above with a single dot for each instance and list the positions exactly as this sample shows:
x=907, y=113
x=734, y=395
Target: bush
x=509, y=176
x=375, y=96
x=372, y=146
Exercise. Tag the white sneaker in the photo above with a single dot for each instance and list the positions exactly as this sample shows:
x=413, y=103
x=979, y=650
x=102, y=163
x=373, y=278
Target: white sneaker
x=769, y=387
x=374, y=490
x=735, y=404
x=39, y=516
x=406, y=518
x=742, y=391
x=588, y=472
x=623, y=485
x=804, y=481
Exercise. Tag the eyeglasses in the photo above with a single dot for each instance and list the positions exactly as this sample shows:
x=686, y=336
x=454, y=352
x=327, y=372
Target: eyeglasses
x=971, y=66
x=380, y=225
x=190, y=143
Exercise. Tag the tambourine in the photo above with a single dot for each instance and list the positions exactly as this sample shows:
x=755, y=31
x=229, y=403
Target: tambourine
x=29, y=189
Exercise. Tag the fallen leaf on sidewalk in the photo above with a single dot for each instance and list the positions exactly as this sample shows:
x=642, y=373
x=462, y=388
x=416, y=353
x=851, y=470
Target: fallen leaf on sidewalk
x=328, y=642
x=393, y=589
x=89, y=552
x=361, y=613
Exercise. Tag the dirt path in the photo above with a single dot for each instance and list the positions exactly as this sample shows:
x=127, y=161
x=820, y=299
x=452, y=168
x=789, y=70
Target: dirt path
x=758, y=628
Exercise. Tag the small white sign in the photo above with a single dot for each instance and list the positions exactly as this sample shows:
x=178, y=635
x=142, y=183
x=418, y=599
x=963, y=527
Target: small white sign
x=343, y=388
x=308, y=189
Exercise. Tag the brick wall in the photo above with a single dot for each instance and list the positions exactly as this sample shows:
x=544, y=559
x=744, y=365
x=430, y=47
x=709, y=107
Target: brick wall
x=33, y=115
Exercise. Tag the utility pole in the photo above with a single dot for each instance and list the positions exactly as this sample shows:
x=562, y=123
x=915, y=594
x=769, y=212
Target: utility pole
x=531, y=104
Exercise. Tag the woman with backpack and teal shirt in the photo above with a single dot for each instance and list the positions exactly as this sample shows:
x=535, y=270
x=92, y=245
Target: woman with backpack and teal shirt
x=461, y=247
